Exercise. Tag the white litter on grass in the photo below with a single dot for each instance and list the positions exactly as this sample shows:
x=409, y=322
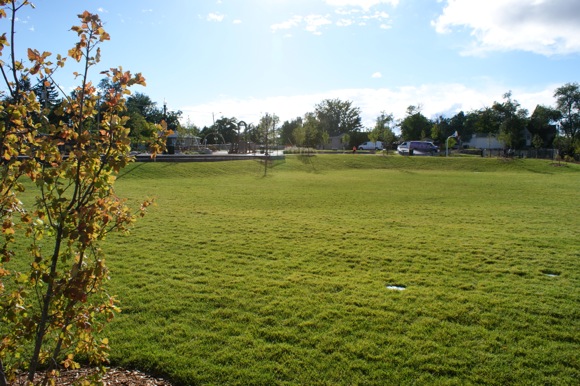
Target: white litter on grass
x=550, y=273
x=396, y=287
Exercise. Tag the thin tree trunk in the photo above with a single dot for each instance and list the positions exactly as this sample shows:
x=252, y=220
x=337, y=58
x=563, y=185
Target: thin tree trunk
x=3, y=380
x=41, y=328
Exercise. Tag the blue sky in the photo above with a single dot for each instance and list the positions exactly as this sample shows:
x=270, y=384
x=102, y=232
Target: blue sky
x=244, y=58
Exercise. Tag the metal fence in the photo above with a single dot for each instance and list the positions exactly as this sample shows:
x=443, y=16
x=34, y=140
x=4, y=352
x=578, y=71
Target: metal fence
x=528, y=153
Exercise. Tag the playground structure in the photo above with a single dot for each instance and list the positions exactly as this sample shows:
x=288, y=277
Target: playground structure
x=188, y=143
x=216, y=146
x=241, y=146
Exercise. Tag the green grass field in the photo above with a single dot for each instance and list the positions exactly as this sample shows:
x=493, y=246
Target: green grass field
x=236, y=278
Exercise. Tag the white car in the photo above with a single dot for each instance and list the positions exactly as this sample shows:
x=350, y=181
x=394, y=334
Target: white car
x=371, y=146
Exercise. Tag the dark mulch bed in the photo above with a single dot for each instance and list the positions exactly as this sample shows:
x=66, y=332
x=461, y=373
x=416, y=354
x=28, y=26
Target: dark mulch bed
x=114, y=376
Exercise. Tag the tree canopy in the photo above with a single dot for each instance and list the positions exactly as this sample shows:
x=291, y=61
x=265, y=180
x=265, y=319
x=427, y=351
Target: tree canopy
x=512, y=119
x=415, y=125
x=568, y=103
x=337, y=117
x=543, y=124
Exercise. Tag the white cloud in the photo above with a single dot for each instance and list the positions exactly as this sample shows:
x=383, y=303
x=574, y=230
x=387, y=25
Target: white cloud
x=436, y=99
x=347, y=12
x=377, y=16
x=377, y=75
x=546, y=27
x=315, y=22
x=344, y=22
x=364, y=4
x=312, y=23
x=346, y=17
x=288, y=24
x=215, y=17
x=237, y=21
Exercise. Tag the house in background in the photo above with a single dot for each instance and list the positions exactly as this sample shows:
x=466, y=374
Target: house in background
x=334, y=143
x=490, y=141
x=483, y=141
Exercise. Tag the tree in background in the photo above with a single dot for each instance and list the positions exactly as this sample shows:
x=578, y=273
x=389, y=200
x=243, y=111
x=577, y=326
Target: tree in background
x=542, y=125
x=568, y=103
x=56, y=310
x=415, y=125
x=190, y=128
x=142, y=104
x=483, y=121
x=299, y=135
x=141, y=132
x=144, y=114
x=267, y=129
x=389, y=138
x=374, y=135
x=337, y=117
x=513, y=121
x=377, y=131
x=440, y=129
x=312, y=130
x=383, y=125
x=227, y=128
x=47, y=94
x=459, y=124
x=287, y=130
x=171, y=119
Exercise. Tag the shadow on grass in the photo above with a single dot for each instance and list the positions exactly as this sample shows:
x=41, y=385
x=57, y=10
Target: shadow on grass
x=410, y=166
x=127, y=171
x=520, y=163
x=307, y=159
x=270, y=163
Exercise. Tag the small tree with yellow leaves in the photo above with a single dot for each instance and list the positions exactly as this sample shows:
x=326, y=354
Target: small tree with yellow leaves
x=57, y=192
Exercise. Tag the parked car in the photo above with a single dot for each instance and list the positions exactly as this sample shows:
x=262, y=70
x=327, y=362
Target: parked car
x=371, y=146
x=417, y=148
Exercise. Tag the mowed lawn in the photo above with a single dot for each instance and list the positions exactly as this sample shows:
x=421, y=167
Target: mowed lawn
x=351, y=269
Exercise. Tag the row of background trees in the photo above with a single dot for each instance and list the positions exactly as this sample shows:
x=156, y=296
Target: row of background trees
x=548, y=127
x=142, y=114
